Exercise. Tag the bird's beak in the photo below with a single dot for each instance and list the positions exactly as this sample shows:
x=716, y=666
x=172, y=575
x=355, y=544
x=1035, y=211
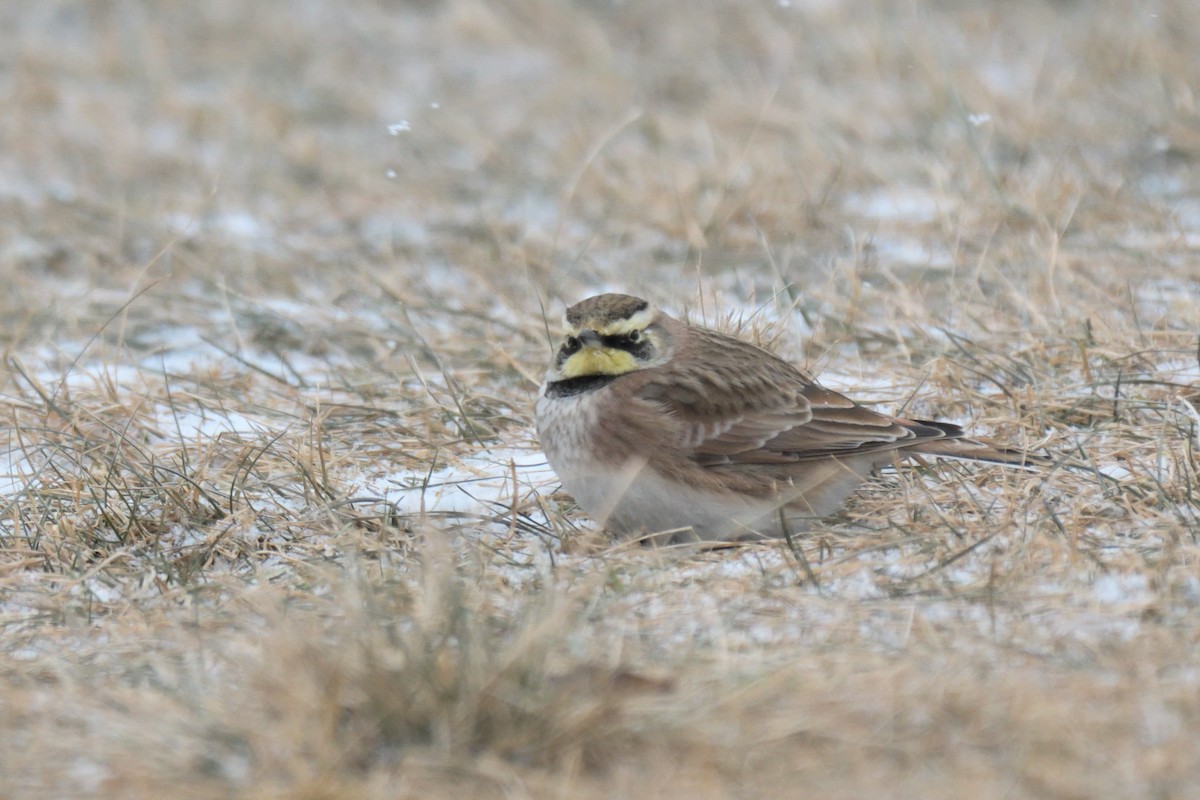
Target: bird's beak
x=589, y=338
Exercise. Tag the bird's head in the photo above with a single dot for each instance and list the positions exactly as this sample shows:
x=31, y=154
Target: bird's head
x=611, y=334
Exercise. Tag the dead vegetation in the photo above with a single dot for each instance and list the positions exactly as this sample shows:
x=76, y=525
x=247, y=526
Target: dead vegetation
x=279, y=281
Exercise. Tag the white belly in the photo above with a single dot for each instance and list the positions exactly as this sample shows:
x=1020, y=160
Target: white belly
x=632, y=500
x=671, y=512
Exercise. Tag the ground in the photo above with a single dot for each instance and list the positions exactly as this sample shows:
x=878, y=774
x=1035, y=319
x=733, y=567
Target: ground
x=280, y=284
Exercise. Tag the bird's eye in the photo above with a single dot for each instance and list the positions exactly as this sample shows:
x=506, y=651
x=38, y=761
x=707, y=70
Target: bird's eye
x=635, y=336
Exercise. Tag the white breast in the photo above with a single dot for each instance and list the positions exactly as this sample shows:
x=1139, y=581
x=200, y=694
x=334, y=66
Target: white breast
x=631, y=499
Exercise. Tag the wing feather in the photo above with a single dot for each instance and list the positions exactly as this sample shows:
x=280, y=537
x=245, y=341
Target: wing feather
x=773, y=415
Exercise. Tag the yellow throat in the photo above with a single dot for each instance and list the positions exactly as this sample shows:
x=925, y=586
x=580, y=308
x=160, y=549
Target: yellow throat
x=599, y=360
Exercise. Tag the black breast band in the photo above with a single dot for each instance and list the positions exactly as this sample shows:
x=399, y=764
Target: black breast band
x=573, y=386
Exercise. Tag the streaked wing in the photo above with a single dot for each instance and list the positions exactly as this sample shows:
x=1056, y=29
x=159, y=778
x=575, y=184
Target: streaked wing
x=771, y=416
x=839, y=426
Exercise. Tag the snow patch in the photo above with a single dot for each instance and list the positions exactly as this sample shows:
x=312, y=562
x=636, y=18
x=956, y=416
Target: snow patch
x=480, y=485
x=903, y=204
x=1120, y=589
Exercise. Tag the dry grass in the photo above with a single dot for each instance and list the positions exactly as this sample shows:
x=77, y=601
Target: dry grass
x=275, y=523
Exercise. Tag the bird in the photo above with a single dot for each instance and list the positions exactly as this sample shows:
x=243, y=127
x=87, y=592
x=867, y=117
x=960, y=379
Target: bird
x=671, y=432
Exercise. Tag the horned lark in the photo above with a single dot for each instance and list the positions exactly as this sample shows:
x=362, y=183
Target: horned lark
x=660, y=427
